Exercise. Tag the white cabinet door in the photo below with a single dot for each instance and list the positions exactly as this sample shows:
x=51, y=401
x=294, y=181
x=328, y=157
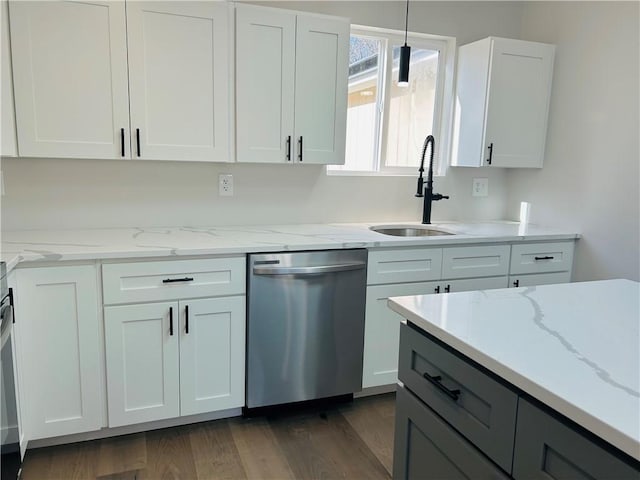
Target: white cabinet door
x=70, y=78
x=212, y=352
x=503, y=89
x=322, y=71
x=539, y=279
x=518, y=102
x=179, y=76
x=265, y=59
x=142, y=362
x=382, y=332
x=8, y=145
x=60, y=342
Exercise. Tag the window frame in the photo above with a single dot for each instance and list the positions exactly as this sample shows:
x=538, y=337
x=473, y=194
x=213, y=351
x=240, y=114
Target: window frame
x=443, y=107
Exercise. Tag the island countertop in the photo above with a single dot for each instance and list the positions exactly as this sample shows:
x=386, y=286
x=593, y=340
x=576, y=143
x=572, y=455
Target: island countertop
x=574, y=347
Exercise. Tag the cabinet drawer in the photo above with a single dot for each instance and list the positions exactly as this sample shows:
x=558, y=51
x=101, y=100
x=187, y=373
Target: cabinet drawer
x=167, y=280
x=485, y=410
x=404, y=265
x=539, y=279
x=426, y=447
x=541, y=257
x=469, y=262
x=548, y=448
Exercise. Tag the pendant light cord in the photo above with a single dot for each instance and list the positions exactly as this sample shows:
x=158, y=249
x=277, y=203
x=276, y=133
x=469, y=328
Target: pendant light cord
x=406, y=23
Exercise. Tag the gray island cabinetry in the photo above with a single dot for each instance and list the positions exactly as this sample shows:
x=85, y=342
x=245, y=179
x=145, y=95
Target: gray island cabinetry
x=458, y=417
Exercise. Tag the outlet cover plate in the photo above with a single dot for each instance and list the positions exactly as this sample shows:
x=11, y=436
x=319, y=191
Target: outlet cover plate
x=225, y=185
x=480, y=187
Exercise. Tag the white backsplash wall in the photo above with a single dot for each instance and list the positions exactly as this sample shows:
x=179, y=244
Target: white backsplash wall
x=591, y=175
x=65, y=193
x=71, y=193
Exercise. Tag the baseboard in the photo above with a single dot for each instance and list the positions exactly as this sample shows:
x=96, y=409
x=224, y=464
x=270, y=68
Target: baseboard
x=137, y=428
x=379, y=390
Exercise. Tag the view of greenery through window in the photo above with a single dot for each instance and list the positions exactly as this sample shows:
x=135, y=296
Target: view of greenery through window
x=387, y=124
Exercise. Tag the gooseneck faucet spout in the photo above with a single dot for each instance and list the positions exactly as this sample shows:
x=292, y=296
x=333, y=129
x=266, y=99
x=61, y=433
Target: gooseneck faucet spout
x=428, y=194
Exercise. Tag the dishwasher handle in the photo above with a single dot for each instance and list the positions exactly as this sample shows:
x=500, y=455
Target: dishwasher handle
x=342, y=267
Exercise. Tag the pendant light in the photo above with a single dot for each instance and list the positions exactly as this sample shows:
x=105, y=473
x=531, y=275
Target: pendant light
x=405, y=55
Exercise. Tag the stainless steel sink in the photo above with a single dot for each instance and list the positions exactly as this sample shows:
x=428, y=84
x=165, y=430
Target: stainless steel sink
x=414, y=231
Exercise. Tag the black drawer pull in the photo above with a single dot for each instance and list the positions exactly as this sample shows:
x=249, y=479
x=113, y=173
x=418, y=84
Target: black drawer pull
x=138, y=140
x=300, y=148
x=174, y=280
x=170, y=320
x=289, y=148
x=186, y=319
x=447, y=289
x=437, y=289
x=546, y=257
x=490, y=147
x=122, y=142
x=436, y=382
x=516, y=283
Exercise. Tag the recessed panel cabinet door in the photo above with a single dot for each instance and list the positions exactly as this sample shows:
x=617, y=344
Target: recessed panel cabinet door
x=212, y=351
x=265, y=59
x=179, y=79
x=518, y=102
x=70, y=78
x=322, y=70
x=142, y=362
x=60, y=341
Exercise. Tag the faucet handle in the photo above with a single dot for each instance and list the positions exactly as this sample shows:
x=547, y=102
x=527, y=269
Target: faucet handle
x=437, y=196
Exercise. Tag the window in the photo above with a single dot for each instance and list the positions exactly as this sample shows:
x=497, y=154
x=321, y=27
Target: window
x=387, y=124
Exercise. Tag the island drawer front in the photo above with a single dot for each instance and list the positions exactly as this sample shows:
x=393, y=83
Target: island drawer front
x=541, y=257
x=548, y=448
x=404, y=265
x=172, y=279
x=469, y=262
x=485, y=411
x=426, y=447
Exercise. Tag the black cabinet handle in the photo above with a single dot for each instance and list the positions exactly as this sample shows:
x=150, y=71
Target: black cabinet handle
x=490, y=147
x=289, y=148
x=516, y=283
x=447, y=288
x=546, y=257
x=138, y=140
x=174, y=280
x=437, y=289
x=171, y=321
x=122, y=142
x=186, y=319
x=436, y=381
x=300, y=148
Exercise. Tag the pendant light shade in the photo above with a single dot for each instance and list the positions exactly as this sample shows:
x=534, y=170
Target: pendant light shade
x=405, y=55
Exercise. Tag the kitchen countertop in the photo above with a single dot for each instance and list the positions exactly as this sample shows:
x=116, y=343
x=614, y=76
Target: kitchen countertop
x=94, y=244
x=575, y=347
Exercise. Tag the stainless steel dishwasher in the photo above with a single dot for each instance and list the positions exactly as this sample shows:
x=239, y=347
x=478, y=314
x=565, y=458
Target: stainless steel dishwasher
x=305, y=331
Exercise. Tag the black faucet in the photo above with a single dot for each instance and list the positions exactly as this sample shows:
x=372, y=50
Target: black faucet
x=428, y=194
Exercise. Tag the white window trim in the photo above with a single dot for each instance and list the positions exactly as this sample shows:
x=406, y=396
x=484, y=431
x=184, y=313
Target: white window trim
x=443, y=113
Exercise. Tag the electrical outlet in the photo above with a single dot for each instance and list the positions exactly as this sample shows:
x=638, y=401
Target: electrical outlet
x=480, y=187
x=225, y=185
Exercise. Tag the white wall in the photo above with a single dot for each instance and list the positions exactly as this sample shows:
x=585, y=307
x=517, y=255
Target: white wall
x=63, y=193
x=591, y=175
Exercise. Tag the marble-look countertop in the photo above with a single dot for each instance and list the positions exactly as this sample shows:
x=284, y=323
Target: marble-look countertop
x=574, y=347
x=94, y=244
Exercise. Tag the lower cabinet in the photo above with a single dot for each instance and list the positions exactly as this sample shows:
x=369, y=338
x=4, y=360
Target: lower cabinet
x=57, y=308
x=382, y=325
x=174, y=358
x=427, y=447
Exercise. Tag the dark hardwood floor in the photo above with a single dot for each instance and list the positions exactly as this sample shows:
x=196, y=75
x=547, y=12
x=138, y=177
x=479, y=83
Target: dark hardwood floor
x=352, y=441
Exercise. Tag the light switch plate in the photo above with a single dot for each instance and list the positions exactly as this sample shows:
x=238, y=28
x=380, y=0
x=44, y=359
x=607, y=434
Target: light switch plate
x=225, y=185
x=480, y=187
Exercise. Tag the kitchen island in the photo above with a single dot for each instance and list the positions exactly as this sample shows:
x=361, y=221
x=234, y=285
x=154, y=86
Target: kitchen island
x=525, y=381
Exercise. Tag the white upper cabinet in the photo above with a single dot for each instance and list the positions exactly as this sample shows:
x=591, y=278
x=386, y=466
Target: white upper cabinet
x=8, y=145
x=179, y=80
x=265, y=69
x=291, y=86
x=502, y=103
x=322, y=71
x=70, y=78
x=83, y=70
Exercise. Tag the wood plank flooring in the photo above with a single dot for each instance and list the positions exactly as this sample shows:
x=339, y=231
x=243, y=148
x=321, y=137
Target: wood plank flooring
x=352, y=441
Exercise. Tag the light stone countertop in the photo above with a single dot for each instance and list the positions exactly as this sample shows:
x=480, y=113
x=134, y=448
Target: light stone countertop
x=575, y=347
x=120, y=243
